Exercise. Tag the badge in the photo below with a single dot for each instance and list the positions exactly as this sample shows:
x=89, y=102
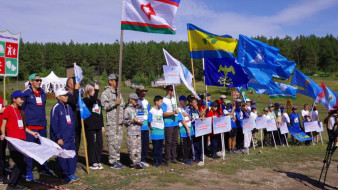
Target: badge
x=69, y=121
x=96, y=109
x=38, y=101
x=20, y=123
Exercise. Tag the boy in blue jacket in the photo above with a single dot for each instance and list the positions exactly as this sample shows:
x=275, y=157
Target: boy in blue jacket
x=62, y=131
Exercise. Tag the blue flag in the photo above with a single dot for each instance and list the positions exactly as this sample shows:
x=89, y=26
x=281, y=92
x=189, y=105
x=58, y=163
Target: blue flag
x=257, y=59
x=305, y=85
x=259, y=88
x=284, y=68
x=84, y=112
x=280, y=90
x=299, y=134
x=224, y=72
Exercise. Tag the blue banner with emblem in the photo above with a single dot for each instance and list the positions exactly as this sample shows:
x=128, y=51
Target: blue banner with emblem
x=299, y=134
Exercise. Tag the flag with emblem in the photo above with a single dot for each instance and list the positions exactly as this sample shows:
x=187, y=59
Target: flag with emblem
x=154, y=16
x=328, y=97
x=9, y=54
x=305, y=85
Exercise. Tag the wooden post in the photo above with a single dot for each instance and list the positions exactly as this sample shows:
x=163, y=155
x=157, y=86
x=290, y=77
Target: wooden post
x=119, y=83
x=85, y=145
x=4, y=84
x=193, y=73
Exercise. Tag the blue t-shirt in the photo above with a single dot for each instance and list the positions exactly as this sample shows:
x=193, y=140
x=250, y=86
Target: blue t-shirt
x=155, y=117
x=294, y=120
x=173, y=120
x=145, y=108
x=239, y=117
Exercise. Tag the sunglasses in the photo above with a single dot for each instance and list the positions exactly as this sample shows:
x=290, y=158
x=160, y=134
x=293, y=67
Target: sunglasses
x=38, y=80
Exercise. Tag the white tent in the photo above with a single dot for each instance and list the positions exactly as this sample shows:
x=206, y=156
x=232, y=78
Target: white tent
x=51, y=83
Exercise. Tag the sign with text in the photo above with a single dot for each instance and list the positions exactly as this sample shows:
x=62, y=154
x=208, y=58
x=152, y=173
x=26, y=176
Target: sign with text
x=203, y=127
x=261, y=122
x=9, y=54
x=171, y=74
x=271, y=125
x=248, y=125
x=320, y=127
x=221, y=124
x=283, y=128
x=311, y=126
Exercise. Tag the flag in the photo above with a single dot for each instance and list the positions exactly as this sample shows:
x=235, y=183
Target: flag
x=224, y=72
x=259, y=88
x=284, y=68
x=84, y=112
x=78, y=73
x=207, y=45
x=185, y=75
x=327, y=97
x=280, y=90
x=257, y=59
x=40, y=152
x=305, y=85
x=299, y=135
x=154, y=16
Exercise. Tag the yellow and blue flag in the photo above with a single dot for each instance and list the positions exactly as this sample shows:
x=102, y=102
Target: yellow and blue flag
x=305, y=85
x=207, y=45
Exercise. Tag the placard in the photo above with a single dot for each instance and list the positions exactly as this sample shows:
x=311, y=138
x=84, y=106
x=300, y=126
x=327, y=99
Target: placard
x=9, y=54
x=261, y=122
x=311, y=126
x=171, y=74
x=271, y=125
x=221, y=124
x=320, y=127
x=203, y=127
x=283, y=128
x=248, y=125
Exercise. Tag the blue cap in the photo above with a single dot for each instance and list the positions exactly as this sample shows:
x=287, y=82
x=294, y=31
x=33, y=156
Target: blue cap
x=182, y=98
x=294, y=108
x=282, y=108
x=253, y=107
x=213, y=104
x=16, y=94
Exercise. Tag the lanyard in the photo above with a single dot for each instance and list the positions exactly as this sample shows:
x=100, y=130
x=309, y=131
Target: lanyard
x=15, y=113
x=65, y=109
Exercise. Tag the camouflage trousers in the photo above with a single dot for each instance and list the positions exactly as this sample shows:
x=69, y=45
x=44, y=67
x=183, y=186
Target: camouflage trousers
x=134, y=148
x=114, y=142
x=255, y=136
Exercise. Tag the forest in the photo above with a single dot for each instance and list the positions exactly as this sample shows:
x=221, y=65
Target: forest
x=142, y=61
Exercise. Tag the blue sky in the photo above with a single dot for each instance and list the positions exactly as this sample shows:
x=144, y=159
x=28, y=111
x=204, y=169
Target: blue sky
x=99, y=20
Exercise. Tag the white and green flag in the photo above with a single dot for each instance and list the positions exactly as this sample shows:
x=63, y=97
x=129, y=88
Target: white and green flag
x=9, y=54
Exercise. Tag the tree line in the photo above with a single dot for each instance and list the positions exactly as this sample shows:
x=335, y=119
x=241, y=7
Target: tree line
x=142, y=61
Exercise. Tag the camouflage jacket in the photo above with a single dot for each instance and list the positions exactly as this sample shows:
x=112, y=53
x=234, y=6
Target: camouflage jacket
x=108, y=99
x=129, y=114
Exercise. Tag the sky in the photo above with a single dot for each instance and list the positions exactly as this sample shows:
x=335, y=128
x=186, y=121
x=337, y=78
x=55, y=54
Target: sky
x=90, y=21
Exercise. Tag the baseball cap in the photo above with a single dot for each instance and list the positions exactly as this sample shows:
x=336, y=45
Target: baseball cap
x=276, y=104
x=182, y=98
x=213, y=104
x=208, y=94
x=294, y=108
x=282, y=108
x=223, y=97
x=17, y=94
x=253, y=107
x=60, y=92
x=33, y=76
x=113, y=77
x=265, y=109
x=238, y=100
x=270, y=105
x=133, y=96
x=247, y=100
x=140, y=89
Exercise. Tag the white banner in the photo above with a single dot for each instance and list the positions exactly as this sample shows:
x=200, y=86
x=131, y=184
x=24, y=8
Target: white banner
x=221, y=124
x=311, y=126
x=203, y=127
x=248, y=125
x=271, y=125
x=171, y=74
x=320, y=127
x=261, y=122
x=283, y=128
x=78, y=73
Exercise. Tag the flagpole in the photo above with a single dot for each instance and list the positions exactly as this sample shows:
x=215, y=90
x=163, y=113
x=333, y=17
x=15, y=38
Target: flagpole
x=119, y=83
x=206, y=100
x=85, y=145
x=4, y=81
x=193, y=72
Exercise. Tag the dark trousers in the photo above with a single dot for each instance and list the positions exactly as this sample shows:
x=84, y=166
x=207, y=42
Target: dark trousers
x=198, y=148
x=94, y=145
x=67, y=165
x=240, y=138
x=171, y=138
x=29, y=161
x=157, y=151
x=3, y=145
x=19, y=165
x=145, y=145
x=186, y=147
x=215, y=139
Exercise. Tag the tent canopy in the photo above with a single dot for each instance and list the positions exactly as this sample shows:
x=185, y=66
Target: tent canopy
x=51, y=83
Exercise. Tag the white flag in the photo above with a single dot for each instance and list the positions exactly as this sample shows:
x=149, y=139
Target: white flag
x=40, y=152
x=185, y=75
x=78, y=73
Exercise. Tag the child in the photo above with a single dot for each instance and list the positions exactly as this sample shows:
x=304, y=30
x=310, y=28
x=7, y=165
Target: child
x=214, y=138
x=294, y=120
x=62, y=131
x=233, y=133
x=133, y=124
x=156, y=126
x=186, y=131
x=197, y=141
x=94, y=126
x=13, y=126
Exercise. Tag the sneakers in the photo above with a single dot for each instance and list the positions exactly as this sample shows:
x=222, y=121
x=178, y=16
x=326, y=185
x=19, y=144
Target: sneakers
x=144, y=164
x=231, y=152
x=187, y=162
x=219, y=153
x=100, y=166
x=46, y=171
x=138, y=167
x=68, y=179
x=236, y=151
x=29, y=176
x=95, y=166
x=121, y=165
x=74, y=178
x=200, y=163
x=215, y=156
x=115, y=165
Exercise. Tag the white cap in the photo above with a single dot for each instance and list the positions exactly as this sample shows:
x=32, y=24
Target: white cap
x=223, y=96
x=247, y=100
x=60, y=92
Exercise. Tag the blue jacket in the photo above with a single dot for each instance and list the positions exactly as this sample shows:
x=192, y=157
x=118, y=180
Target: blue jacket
x=35, y=115
x=59, y=128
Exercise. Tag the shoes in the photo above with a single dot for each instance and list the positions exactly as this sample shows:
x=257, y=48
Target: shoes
x=164, y=164
x=215, y=156
x=100, y=166
x=68, y=179
x=46, y=171
x=115, y=165
x=219, y=153
x=236, y=151
x=187, y=162
x=121, y=165
x=231, y=152
x=144, y=164
x=29, y=176
x=157, y=164
x=74, y=178
x=138, y=167
x=95, y=166
x=200, y=163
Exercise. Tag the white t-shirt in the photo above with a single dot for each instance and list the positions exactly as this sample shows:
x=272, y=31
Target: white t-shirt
x=331, y=122
x=144, y=103
x=305, y=113
x=253, y=115
x=186, y=118
x=314, y=115
x=170, y=103
x=157, y=118
x=286, y=117
x=267, y=116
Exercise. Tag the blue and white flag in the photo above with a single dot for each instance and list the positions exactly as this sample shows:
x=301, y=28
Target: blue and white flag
x=259, y=88
x=78, y=73
x=284, y=68
x=224, y=72
x=305, y=85
x=280, y=90
x=84, y=112
x=185, y=75
x=257, y=59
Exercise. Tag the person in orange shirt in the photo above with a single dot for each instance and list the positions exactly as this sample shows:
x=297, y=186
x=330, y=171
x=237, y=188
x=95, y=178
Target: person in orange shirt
x=215, y=139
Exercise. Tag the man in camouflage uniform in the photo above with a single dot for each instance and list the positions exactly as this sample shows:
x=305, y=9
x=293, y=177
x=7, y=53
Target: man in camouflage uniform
x=133, y=120
x=110, y=102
